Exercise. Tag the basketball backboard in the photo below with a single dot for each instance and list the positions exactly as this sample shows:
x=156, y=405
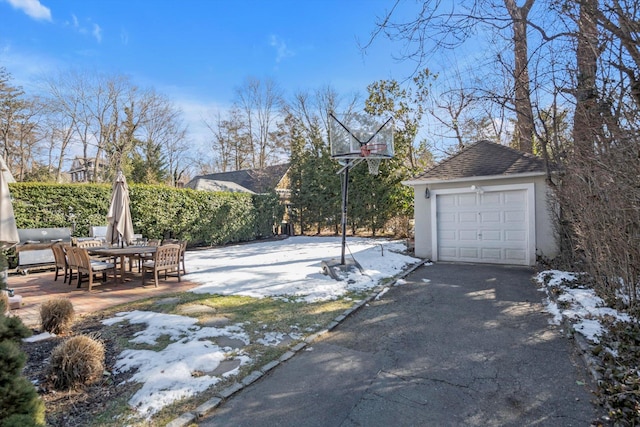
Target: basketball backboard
x=359, y=135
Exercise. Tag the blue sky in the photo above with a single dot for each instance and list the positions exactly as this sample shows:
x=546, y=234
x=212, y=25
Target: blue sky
x=198, y=51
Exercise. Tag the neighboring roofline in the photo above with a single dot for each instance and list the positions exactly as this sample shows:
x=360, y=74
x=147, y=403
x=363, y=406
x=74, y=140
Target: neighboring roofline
x=415, y=182
x=230, y=185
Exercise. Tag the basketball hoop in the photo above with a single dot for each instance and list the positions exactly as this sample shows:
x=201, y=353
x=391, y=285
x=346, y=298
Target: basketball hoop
x=373, y=154
x=354, y=138
x=367, y=149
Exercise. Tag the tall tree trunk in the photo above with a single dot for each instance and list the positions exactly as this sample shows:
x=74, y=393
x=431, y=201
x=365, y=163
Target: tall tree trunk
x=522, y=90
x=586, y=112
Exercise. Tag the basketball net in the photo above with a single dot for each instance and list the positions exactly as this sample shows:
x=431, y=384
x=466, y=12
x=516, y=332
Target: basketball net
x=373, y=162
x=374, y=165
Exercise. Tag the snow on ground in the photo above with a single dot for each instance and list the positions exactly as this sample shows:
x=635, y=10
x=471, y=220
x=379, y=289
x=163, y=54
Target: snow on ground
x=576, y=303
x=293, y=267
x=290, y=267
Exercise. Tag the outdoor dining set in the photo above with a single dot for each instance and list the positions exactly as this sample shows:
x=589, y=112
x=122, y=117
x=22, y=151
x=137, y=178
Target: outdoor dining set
x=89, y=258
x=83, y=258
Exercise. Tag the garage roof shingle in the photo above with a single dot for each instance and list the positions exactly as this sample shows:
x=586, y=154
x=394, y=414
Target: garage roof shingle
x=483, y=158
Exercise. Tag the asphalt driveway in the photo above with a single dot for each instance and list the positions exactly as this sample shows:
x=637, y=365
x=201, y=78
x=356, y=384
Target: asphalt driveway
x=455, y=345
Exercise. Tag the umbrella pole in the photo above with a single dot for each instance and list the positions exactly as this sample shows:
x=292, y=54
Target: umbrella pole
x=113, y=228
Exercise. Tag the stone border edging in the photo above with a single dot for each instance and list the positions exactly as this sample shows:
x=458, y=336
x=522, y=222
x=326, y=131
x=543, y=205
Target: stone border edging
x=224, y=394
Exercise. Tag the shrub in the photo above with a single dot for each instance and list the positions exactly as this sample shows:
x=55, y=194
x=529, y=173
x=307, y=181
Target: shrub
x=57, y=316
x=200, y=217
x=4, y=302
x=19, y=402
x=77, y=361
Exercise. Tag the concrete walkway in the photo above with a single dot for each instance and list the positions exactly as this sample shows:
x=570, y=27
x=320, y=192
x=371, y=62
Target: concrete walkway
x=457, y=345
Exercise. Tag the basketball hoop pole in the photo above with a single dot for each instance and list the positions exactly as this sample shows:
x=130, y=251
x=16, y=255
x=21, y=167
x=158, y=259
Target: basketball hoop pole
x=345, y=196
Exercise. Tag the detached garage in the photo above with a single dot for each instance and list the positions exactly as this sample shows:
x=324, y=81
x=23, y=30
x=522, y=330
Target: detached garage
x=486, y=204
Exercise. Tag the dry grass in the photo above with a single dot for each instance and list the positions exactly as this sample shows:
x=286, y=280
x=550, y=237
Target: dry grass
x=57, y=316
x=76, y=362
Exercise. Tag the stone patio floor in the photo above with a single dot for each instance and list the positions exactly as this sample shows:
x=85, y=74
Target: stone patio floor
x=37, y=287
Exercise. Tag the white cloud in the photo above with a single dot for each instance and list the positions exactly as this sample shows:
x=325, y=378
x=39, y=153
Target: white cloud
x=282, y=51
x=33, y=8
x=97, y=32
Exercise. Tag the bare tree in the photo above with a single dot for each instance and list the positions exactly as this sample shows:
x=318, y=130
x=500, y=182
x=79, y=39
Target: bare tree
x=164, y=126
x=17, y=137
x=230, y=142
x=522, y=90
x=28, y=137
x=451, y=108
x=106, y=116
x=58, y=132
x=439, y=25
x=91, y=104
x=311, y=109
x=259, y=101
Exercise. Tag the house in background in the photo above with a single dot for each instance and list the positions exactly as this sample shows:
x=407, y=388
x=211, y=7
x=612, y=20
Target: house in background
x=255, y=181
x=83, y=170
x=487, y=204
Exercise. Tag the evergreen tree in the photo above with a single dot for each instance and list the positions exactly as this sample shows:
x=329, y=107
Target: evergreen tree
x=19, y=401
x=147, y=163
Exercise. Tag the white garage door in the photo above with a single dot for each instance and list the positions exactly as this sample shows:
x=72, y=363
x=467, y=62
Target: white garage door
x=489, y=227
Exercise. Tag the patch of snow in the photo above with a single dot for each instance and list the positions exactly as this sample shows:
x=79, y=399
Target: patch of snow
x=556, y=277
x=384, y=291
x=577, y=304
x=292, y=267
x=39, y=337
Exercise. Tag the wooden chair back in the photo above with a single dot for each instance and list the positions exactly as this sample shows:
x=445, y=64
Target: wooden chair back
x=166, y=258
x=90, y=243
x=89, y=267
x=71, y=257
x=60, y=259
x=183, y=249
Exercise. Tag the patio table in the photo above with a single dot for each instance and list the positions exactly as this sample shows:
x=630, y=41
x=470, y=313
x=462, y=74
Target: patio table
x=122, y=253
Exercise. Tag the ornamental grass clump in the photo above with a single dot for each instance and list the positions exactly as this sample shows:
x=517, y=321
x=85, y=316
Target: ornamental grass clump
x=76, y=362
x=57, y=316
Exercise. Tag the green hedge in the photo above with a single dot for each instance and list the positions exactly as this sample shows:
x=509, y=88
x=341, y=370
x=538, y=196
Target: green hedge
x=202, y=218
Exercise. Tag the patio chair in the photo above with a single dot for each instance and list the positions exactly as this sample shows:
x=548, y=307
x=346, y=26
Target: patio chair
x=183, y=249
x=90, y=267
x=60, y=260
x=89, y=243
x=72, y=264
x=143, y=257
x=166, y=258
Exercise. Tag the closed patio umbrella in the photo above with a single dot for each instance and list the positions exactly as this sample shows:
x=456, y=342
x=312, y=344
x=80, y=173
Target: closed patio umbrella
x=119, y=224
x=8, y=230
